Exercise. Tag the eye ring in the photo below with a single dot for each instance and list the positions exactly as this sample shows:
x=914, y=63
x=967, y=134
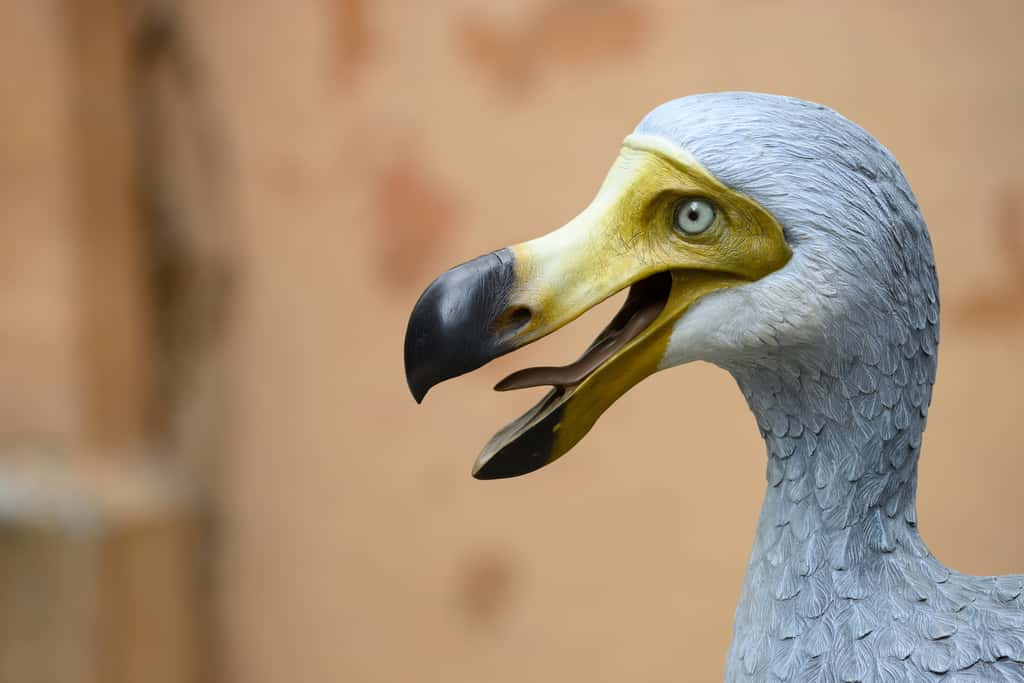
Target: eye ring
x=694, y=216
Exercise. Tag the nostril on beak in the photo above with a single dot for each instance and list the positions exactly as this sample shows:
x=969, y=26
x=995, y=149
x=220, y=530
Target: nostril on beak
x=513, y=320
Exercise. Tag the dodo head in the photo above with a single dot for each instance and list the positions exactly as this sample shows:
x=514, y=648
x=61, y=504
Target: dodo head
x=752, y=231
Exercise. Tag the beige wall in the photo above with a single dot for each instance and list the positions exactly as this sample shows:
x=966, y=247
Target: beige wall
x=373, y=144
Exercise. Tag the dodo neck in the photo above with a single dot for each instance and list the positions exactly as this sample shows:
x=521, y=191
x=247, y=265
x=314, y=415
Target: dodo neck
x=843, y=443
x=839, y=510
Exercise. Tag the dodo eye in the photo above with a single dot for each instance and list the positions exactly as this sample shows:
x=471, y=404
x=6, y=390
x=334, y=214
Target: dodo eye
x=694, y=216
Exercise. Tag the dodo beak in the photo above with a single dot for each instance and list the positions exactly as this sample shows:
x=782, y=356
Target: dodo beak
x=504, y=300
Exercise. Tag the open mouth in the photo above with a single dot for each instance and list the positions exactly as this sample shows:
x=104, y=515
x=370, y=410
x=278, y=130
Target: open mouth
x=530, y=435
x=644, y=303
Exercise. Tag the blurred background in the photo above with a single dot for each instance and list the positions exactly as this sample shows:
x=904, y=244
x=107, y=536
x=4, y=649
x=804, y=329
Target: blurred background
x=216, y=217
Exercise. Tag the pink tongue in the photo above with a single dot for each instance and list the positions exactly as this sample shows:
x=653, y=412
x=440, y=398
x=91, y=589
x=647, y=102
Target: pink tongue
x=597, y=354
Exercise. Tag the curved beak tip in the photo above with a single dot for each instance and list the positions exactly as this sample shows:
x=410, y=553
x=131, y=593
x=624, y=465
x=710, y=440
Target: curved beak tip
x=451, y=328
x=418, y=394
x=418, y=384
x=418, y=369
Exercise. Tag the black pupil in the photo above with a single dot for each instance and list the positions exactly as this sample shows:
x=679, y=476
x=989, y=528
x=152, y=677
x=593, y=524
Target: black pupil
x=693, y=214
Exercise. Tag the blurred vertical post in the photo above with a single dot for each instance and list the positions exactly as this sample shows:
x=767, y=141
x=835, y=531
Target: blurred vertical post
x=115, y=341
x=103, y=534
x=96, y=577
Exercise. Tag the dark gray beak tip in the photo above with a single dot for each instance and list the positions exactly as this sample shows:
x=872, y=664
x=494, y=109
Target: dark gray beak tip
x=507, y=468
x=418, y=367
x=421, y=371
x=418, y=393
x=451, y=328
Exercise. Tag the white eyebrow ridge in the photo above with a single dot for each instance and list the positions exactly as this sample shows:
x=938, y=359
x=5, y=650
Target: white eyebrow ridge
x=659, y=145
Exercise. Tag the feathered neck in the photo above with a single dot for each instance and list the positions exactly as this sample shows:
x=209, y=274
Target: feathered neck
x=843, y=445
x=842, y=442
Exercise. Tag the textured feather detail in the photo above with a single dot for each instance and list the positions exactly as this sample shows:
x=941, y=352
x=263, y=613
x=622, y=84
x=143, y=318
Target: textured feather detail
x=776, y=471
x=895, y=642
x=853, y=661
x=788, y=586
x=966, y=651
x=935, y=657
x=1007, y=588
x=799, y=489
x=864, y=378
x=850, y=583
x=869, y=406
x=842, y=549
x=819, y=638
x=936, y=626
x=880, y=536
x=787, y=661
x=814, y=599
x=796, y=468
x=814, y=553
x=861, y=621
x=889, y=670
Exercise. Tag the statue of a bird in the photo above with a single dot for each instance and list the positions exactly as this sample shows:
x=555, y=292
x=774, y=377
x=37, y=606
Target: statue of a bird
x=781, y=242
